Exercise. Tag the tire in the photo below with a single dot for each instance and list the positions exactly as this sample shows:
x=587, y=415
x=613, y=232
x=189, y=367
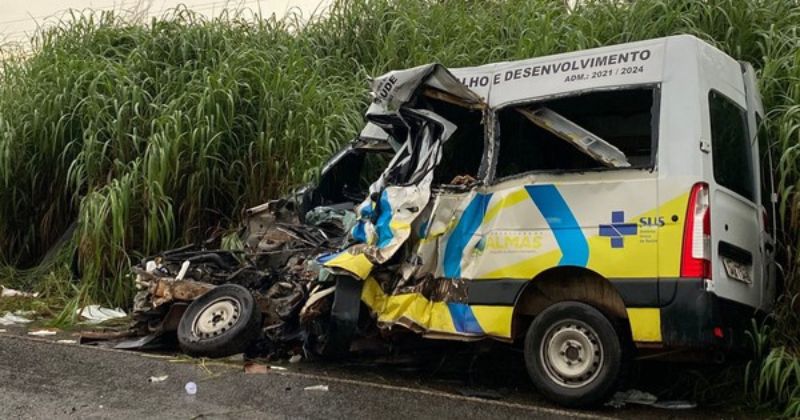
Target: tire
x=330, y=335
x=222, y=322
x=574, y=355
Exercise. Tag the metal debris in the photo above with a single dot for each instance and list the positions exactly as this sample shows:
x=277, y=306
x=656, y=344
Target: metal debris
x=582, y=139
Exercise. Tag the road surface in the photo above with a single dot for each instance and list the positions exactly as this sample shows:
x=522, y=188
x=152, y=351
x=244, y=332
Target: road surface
x=40, y=378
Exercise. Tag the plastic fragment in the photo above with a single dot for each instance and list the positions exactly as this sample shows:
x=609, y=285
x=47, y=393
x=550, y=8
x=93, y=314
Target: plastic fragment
x=156, y=379
x=295, y=359
x=191, y=388
x=95, y=314
x=9, y=292
x=256, y=368
x=323, y=388
x=182, y=272
x=42, y=333
x=12, y=319
x=66, y=342
x=251, y=368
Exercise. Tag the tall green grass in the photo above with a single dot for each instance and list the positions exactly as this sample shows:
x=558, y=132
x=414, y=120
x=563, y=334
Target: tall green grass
x=152, y=134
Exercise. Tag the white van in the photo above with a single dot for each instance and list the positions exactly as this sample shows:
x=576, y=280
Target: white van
x=587, y=206
x=584, y=204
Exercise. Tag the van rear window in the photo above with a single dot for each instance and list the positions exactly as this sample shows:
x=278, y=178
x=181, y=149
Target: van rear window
x=623, y=118
x=730, y=146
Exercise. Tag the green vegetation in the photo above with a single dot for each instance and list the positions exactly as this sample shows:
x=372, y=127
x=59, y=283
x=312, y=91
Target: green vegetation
x=149, y=135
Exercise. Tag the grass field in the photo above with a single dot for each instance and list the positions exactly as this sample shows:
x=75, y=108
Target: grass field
x=132, y=137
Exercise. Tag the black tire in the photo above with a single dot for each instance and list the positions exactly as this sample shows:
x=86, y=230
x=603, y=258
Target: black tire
x=222, y=322
x=574, y=355
x=330, y=335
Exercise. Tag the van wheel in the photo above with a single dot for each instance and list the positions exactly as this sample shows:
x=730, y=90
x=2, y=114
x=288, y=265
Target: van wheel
x=222, y=322
x=573, y=354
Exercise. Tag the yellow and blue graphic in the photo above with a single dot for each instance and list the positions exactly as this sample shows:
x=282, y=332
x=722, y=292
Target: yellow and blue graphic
x=500, y=238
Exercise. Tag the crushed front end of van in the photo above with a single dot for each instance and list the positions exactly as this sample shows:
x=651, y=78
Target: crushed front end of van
x=297, y=281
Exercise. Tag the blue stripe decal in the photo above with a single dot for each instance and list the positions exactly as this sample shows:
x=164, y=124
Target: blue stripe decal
x=359, y=231
x=470, y=221
x=382, y=227
x=568, y=233
x=463, y=319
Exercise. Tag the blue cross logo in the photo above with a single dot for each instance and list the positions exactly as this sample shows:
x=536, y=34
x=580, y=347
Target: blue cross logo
x=618, y=229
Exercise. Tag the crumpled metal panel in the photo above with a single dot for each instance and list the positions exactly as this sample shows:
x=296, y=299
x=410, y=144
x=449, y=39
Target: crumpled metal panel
x=584, y=140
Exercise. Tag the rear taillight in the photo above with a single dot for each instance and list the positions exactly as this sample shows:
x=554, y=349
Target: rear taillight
x=696, y=254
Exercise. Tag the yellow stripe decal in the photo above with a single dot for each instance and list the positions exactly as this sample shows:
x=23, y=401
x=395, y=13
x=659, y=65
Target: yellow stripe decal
x=509, y=200
x=645, y=324
x=357, y=264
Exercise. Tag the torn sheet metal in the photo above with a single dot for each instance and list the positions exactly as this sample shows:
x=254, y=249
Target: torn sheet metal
x=585, y=141
x=404, y=189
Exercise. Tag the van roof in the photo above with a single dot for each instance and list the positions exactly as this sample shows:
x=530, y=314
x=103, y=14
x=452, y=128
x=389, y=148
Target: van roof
x=634, y=63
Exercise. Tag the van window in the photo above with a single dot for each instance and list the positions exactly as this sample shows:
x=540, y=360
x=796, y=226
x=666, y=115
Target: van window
x=731, y=153
x=625, y=118
x=462, y=153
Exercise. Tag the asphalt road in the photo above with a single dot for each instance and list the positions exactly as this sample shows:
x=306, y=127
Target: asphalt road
x=43, y=379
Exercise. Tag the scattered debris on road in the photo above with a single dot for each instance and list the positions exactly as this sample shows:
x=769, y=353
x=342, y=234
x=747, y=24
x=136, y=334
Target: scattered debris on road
x=157, y=379
x=43, y=332
x=191, y=388
x=258, y=368
x=323, y=388
x=635, y=396
x=13, y=319
x=95, y=314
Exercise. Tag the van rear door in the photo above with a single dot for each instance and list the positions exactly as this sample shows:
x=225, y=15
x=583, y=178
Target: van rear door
x=762, y=155
x=736, y=257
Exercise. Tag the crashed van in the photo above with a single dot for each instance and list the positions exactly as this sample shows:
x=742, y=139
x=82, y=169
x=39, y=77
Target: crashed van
x=588, y=207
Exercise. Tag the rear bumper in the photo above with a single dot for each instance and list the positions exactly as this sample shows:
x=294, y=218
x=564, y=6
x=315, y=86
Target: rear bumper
x=700, y=320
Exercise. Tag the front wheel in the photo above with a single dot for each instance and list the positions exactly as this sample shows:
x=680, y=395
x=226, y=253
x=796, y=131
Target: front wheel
x=222, y=322
x=573, y=354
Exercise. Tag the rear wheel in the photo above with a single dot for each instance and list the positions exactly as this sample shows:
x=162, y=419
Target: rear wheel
x=573, y=354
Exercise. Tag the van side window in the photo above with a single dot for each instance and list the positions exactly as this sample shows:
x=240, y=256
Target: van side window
x=625, y=118
x=730, y=146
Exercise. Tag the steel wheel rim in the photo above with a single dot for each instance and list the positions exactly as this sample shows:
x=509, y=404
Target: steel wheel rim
x=571, y=354
x=216, y=317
